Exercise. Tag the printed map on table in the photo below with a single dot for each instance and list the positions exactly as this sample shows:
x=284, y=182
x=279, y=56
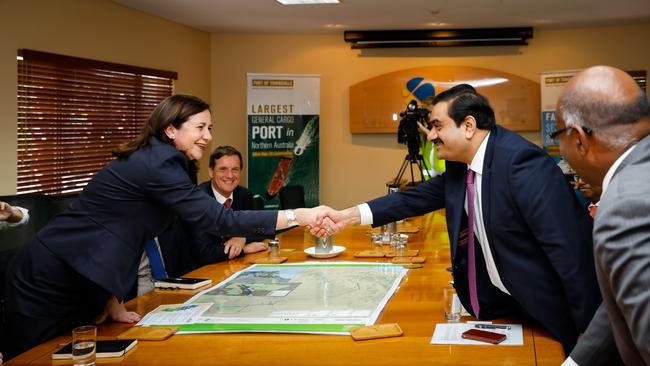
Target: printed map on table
x=297, y=297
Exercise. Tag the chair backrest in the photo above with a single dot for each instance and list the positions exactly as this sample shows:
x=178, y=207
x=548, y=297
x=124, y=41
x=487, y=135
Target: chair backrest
x=258, y=202
x=292, y=197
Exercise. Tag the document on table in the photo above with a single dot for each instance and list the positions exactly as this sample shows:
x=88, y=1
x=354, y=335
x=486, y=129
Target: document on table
x=451, y=333
x=174, y=314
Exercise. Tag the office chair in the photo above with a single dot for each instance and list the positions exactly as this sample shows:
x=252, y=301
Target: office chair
x=258, y=202
x=292, y=197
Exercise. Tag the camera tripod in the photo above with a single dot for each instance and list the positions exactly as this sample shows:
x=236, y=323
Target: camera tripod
x=410, y=160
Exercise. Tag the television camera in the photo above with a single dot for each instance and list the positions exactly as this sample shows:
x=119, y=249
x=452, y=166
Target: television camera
x=409, y=135
x=407, y=131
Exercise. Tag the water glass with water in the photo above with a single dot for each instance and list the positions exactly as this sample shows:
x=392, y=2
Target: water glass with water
x=84, y=344
x=274, y=248
x=376, y=241
x=452, y=305
x=401, y=241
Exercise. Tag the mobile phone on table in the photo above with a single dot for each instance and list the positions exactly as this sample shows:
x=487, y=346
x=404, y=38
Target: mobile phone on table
x=484, y=336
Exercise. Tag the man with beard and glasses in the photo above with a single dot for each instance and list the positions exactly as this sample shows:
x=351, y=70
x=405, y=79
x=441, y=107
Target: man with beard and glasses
x=524, y=244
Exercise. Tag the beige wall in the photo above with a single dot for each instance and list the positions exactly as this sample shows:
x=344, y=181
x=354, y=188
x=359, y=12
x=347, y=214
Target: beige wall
x=95, y=29
x=355, y=167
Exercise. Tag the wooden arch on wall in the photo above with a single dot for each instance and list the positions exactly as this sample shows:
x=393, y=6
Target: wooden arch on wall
x=373, y=102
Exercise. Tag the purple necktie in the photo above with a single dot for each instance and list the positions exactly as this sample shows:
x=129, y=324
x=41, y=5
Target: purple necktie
x=471, y=259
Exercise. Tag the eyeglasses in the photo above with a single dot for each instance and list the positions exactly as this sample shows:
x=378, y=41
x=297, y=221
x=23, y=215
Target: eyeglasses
x=554, y=135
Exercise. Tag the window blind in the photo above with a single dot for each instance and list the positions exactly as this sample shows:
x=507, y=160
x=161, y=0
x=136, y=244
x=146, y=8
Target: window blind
x=72, y=112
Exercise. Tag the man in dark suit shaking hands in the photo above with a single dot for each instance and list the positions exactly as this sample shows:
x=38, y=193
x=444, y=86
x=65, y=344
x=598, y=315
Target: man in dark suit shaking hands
x=603, y=128
x=520, y=240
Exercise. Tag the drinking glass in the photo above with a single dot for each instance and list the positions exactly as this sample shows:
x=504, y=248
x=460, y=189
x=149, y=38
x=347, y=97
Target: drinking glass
x=452, y=305
x=84, y=344
x=274, y=248
x=376, y=241
x=401, y=244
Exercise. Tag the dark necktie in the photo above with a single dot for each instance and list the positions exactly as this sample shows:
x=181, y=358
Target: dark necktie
x=227, y=203
x=155, y=260
x=471, y=258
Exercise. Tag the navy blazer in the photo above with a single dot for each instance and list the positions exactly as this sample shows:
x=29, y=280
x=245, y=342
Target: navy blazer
x=539, y=234
x=130, y=201
x=184, y=249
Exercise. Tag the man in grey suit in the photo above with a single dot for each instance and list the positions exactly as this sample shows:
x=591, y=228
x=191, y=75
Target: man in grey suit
x=603, y=126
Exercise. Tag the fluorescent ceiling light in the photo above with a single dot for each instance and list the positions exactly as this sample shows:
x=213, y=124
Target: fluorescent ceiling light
x=299, y=2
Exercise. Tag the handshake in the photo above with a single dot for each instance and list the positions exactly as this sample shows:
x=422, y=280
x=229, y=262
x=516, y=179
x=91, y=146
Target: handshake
x=324, y=221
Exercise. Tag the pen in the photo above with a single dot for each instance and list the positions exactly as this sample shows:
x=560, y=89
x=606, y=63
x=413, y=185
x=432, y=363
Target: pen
x=492, y=326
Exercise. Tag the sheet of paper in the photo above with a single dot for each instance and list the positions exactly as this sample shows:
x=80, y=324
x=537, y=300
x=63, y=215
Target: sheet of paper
x=174, y=314
x=450, y=333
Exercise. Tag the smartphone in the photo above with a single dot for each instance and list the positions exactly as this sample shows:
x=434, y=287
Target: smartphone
x=484, y=336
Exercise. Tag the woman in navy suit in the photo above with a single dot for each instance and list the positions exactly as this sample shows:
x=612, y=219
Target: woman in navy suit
x=66, y=274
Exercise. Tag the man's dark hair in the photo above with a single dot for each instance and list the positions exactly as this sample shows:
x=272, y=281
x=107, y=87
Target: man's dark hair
x=455, y=91
x=465, y=101
x=225, y=151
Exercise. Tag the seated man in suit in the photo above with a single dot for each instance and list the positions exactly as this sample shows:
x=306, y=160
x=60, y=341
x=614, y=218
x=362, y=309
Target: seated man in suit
x=520, y=240
x=603, y=129
x=225, y=166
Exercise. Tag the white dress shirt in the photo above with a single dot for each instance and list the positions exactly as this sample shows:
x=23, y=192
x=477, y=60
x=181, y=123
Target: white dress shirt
x=479, y=225
x=220, y=198
x=612, y=169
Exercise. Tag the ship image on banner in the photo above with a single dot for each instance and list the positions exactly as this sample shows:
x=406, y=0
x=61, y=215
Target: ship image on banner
x=283, y=136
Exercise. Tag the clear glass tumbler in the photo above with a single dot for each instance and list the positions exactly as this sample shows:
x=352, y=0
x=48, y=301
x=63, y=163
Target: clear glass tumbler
x=84, y=344
x=452, y=305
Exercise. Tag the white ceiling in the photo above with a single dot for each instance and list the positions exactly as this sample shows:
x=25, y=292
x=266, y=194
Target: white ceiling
x=268, y=16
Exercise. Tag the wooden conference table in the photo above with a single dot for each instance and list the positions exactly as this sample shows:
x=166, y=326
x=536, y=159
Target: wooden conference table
x=416, y=307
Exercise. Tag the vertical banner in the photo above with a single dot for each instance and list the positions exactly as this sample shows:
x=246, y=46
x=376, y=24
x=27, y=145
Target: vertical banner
x=551, y=84
x=283, y=135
